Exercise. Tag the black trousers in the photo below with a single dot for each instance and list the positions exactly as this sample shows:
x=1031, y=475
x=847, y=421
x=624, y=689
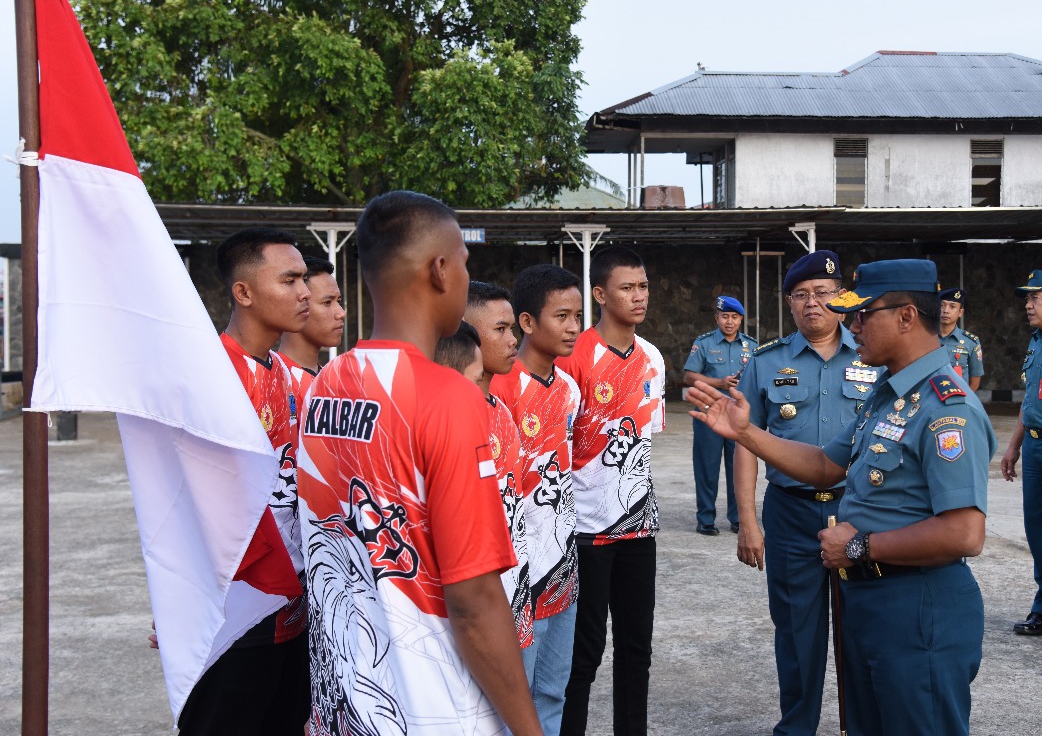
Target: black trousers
x=618, y=578
x=252, y=691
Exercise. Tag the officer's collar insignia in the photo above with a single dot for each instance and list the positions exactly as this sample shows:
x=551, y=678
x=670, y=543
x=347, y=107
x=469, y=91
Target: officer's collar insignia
x=788, y=371
x=878, y=448
x=830, y=266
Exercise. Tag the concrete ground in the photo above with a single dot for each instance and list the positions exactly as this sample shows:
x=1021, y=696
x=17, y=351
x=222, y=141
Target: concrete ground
x=713, y=668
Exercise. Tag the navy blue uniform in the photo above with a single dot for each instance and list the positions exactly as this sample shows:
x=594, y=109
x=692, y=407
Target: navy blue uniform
x=1031, y=469
x=714, y=357
x=912, y=638
x=796, y=395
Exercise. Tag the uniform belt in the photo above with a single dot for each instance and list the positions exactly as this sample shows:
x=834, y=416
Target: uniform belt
x=809, y=494
x=877, y=570
x=1035, y=432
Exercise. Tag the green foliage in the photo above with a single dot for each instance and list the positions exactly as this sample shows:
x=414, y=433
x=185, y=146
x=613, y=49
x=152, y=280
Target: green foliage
x=315, y=100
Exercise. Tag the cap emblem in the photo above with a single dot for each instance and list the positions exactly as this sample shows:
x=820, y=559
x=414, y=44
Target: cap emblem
x=830, y=267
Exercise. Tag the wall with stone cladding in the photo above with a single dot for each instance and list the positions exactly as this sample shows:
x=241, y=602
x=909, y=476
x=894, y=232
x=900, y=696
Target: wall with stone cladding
x=685, y=280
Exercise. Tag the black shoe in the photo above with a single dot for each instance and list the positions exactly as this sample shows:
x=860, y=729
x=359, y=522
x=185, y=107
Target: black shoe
x=709, y=530
x=734, y=527
x=1032, y=625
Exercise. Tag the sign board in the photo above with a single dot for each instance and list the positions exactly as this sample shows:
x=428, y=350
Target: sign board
x=473, y=234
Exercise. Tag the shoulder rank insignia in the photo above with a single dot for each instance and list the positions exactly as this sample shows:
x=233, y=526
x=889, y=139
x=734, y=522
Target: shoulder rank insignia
x=945, y=388
x=788, y=371
x=971, y=336
x=878, y=448
x=766, y=345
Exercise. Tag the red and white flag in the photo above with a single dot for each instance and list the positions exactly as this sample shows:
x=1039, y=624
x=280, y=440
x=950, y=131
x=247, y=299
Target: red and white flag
x=122, y=329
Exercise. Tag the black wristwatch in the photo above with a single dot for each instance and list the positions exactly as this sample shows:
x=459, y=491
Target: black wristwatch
x=857, y=548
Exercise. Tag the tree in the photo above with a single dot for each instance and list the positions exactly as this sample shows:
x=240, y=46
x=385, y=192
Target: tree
x=473, y=101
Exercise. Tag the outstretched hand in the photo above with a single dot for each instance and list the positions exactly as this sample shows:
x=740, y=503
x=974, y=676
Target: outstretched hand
x=728, y=416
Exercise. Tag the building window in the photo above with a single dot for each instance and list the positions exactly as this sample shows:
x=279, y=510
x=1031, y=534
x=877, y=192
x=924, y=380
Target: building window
x=986, y=173
x=851, y=155
x=723, y=177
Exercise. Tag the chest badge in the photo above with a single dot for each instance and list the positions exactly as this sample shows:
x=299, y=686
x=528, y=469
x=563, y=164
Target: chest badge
x=267, y=418
x=495, y=446
x=899, y=404
x=897, y=419
x=787, y=411
x=788, y=371
x=861, y=389
x=888, y=431
x=878, y=448
x=530, y=425
x=603, y=392
x=875, y=477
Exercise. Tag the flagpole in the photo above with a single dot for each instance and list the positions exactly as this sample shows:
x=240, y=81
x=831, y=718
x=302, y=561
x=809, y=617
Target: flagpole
x=35, y=552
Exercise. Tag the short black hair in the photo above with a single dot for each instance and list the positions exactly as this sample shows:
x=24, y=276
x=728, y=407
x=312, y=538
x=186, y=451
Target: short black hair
x=926, y=302
x=607, y=260
x=481, y=293
x=390, y=221
x=246, y=248
x=457, y=350
x=536, y=283
x=317, y=265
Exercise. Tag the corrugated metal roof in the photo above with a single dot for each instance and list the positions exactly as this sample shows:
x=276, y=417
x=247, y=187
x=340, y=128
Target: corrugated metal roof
x=885, y=85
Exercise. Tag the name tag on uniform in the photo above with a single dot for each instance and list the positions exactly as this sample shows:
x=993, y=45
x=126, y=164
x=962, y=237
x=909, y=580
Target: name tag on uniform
x=861, y=375
x=793, y=381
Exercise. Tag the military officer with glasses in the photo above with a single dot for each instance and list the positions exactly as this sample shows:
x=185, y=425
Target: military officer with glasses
x=1027, y=436
x=915, y=463
x=806, y=387
x=963, y=347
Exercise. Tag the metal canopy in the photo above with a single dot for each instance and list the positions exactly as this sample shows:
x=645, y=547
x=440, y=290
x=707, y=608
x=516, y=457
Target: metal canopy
x=212, y=223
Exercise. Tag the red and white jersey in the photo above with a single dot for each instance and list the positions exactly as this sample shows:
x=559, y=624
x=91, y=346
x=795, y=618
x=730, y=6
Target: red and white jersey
x=622, y=406
x=268, y=386
x=300, y=381
x=543, y=412
x=398, y=498
x=505, y=444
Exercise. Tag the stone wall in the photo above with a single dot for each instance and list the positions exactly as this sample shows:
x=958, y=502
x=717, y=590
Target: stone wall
x=685, y=280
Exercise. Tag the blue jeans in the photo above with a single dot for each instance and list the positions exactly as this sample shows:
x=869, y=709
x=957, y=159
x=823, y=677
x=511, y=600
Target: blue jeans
x=1031, y=470
x=554, y=638
x=706, y=449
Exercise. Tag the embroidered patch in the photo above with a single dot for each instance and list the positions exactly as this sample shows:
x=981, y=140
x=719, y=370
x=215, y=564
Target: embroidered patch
x=949, y=444
x=603, y=392
x=647, y=389
x=530, y=425
x=947, y=421
x=860, y=375
x=888, y=431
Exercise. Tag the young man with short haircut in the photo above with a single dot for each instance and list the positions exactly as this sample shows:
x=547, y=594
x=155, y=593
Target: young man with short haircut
x=461, y=351
x=404, y=537
x=260, y=685
x=543, y=401
x=324, y=328
x=621, y=379
x=489, y=311
x=963, y=347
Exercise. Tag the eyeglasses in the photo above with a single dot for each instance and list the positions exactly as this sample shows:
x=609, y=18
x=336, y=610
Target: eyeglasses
x=859, y=315
x=820, y=295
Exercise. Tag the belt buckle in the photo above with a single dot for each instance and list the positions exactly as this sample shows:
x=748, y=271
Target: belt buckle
x=1033, y=433
x=824, y=496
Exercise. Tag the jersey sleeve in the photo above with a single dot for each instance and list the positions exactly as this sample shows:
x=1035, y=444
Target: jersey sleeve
x=696, y=362
x=468, y=529
x=955, y=451
x=658, y=388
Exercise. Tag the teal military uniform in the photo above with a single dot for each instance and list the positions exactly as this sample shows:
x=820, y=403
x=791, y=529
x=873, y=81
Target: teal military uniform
x=965, y=353
x=796, y=395
x=1031, y=454
x=714, y=357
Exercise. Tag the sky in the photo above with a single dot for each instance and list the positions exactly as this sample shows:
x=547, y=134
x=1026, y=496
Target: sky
x=634, y=47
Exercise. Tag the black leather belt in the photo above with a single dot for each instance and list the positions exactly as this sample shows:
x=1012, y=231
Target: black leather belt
x=1035, y=432
x=809, y=494
x=877, y=570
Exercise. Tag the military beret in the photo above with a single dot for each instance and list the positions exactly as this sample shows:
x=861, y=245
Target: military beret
x=1034, y=283
x=953, y=295
x=821, y=264
x=872, y=280
x=729, y=304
